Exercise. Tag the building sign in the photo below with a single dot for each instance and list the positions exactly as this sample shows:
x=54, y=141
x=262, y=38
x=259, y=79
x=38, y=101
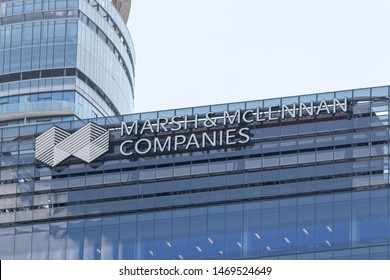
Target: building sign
x=177, y=133
x=213, y=129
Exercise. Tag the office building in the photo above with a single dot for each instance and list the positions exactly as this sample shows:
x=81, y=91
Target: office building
x=64, y=60
x=303, y=177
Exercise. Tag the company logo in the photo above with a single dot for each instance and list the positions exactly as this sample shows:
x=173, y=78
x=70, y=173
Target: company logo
x=87, y=144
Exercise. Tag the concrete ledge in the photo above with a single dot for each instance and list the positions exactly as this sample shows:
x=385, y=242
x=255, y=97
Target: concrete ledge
x=123, y=7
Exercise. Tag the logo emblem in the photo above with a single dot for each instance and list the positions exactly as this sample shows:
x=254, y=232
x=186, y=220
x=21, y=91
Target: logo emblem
x=87, y=144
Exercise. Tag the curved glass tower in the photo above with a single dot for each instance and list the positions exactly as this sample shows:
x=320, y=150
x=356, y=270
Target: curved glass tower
x=64, y=60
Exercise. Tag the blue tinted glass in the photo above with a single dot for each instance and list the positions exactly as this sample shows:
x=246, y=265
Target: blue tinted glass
x=359, y=93
x=75, y=240
x=325, y=96
x=57, y=241
x=379, y=204
x=252, y=230
x=235, y=106
x=216, y=233
x=308, y=98
x=163, y=236
x=234, y=239
x=305, y=224
x=92, y=239
x=110, y=238
x=127, y=237
x=145, y=237
x=360, y=219
x=180, y=234
x=324, y=223
x=40, y=244
x=16, y=40
x=380, y=91
x=198, y=233
x=7, y=238
x=271, y=102
x=269, y=228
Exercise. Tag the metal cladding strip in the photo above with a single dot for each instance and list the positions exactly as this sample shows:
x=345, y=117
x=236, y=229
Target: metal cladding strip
x=94, y=149
x=44, y=150
x=83, y=154
x=101, y=141
x=75, y=141
x=47, y=158
x=59, y=155
x=98, y=129
x=45, y=147
x=43, y=142
x=51, y=137
x=100, y=145
x=79, y=141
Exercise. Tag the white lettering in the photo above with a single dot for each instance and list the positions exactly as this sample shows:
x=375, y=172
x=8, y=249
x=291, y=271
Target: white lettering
x=192, y=141
x=230, y=136
x=205, y=137
x=291, y=112
x=270, y=112
x=167, y=144
x=218, y=137
x=244, y=133
x=210, y=121
x=244, y=116
x=231, y=118
x=146, y=150
x=147, y=126
x=162, y=122
x=122, y=148
x=310, y=110
x=337, y=103
x=258, y=113
x=195, y=121
x=323, y=106
x=179, y=142
x=176, y=123
x=129, y=130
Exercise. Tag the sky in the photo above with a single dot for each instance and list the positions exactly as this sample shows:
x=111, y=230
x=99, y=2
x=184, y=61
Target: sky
x=202, y=52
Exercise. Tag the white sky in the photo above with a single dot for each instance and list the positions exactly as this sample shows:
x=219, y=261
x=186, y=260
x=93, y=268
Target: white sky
x=202, y=52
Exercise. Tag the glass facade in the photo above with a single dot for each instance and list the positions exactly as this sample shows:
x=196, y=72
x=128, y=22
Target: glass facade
x=303, y=187
x=49, y=46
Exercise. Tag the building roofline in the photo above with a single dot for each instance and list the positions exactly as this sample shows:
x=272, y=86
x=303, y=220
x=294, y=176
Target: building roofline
x=123, y=7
